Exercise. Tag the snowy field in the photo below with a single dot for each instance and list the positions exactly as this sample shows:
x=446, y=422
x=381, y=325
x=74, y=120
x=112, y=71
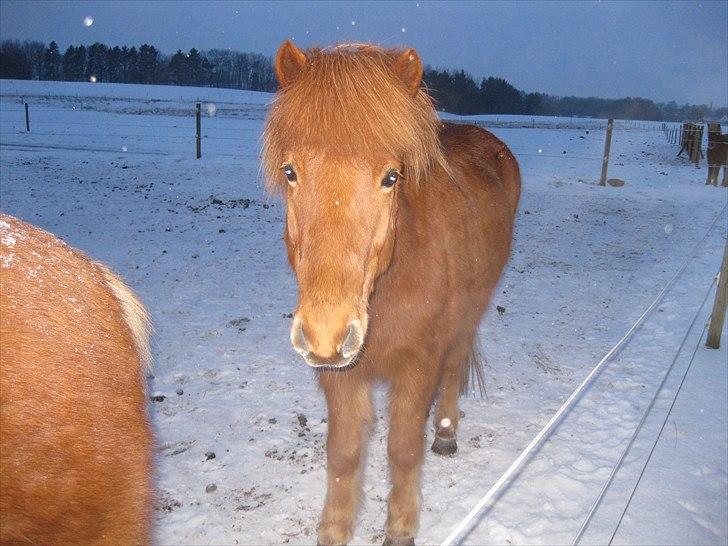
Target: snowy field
x=241, y=427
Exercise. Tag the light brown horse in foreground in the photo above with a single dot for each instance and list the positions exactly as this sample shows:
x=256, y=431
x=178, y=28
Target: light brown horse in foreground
x=397, y=228
x=75, y=441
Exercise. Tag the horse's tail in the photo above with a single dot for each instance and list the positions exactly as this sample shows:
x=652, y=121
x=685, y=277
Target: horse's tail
x=511, y=173
x=135, y=315
x=472, y=374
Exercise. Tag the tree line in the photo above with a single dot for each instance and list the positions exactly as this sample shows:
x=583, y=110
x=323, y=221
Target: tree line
x=98, y=62
x=455, y=91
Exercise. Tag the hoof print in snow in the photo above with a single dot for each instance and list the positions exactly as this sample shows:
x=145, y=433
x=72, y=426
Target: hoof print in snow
x=210, y=455
x=211, y=488
x=239, y=323
x=158, y=398
x=302, y=419
x=501, y=310
x=168, y=505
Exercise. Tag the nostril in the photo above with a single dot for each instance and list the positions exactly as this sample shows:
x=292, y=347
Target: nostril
x=353, y=340
x=298, y=339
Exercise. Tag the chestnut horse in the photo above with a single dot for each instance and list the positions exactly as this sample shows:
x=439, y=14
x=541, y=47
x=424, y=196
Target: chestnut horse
x=717, y=155
x=75, y=441
x=397, y=228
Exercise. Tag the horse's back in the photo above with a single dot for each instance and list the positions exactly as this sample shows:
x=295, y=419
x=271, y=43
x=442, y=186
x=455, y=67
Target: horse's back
x=76, y=446
x=483, y=161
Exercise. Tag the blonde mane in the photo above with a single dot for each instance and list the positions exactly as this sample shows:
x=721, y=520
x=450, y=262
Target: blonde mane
x=347, y=102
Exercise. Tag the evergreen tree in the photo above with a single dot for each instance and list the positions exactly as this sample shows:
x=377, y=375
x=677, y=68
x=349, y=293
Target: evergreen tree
x=113, y=64
x=96, y=63
x=500, y=97
x=179, y=68
x=35, y=53
x=52, y=62
x=132, y=65
x=148, y=64
x=194, y=67
x=74, y=63
x=14, y=63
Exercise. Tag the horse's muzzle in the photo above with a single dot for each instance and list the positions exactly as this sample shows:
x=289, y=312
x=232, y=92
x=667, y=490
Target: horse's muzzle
x=344, y=354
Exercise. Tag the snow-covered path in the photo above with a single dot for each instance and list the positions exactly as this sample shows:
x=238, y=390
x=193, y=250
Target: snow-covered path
x=201, y=243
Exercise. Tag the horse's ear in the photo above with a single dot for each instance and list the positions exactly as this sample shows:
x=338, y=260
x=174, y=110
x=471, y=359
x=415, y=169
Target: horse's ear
x=408, y=67
x=289, y=62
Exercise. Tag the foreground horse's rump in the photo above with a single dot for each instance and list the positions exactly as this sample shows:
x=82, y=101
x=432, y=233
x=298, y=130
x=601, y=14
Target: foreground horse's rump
x=397, y=228
x=75, y=441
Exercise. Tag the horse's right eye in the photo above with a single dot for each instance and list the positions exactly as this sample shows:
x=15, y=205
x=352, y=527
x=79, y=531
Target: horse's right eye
x=290, y=173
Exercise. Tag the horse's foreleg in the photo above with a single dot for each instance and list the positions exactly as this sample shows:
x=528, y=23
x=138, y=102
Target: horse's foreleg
x=408, y=412
x=712, y=176
x=350, y=413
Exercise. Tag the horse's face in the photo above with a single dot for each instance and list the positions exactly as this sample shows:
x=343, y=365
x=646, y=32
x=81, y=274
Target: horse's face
x=339, y=234
x=337, y=140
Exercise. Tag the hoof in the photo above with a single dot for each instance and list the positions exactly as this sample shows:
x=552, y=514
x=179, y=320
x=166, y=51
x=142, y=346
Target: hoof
x=398, y=541
x=444, y=446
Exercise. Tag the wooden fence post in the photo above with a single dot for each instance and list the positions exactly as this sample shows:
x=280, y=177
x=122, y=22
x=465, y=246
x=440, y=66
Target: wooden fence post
x=607, y=146
x=717, y=317
x=27, y=119
x=198, y=120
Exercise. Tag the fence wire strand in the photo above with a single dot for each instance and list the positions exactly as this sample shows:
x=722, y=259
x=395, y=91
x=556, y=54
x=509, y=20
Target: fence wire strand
x=659, y=434
x=638, y=429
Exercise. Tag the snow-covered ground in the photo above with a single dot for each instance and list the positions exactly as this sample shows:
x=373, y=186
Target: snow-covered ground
x=240, y=424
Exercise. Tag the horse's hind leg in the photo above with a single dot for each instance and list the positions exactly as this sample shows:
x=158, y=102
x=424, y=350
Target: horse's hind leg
x=447, y=413
x=350, y=412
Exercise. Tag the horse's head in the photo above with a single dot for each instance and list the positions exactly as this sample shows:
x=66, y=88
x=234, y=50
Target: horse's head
x=349, y=126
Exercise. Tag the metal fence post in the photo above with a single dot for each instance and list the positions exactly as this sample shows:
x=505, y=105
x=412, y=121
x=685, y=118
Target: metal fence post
x=198, y=120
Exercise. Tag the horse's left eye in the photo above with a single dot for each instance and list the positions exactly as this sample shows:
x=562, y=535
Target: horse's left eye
x=390, y=179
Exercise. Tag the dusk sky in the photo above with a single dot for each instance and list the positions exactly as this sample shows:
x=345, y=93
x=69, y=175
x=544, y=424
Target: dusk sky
x=659, y=50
